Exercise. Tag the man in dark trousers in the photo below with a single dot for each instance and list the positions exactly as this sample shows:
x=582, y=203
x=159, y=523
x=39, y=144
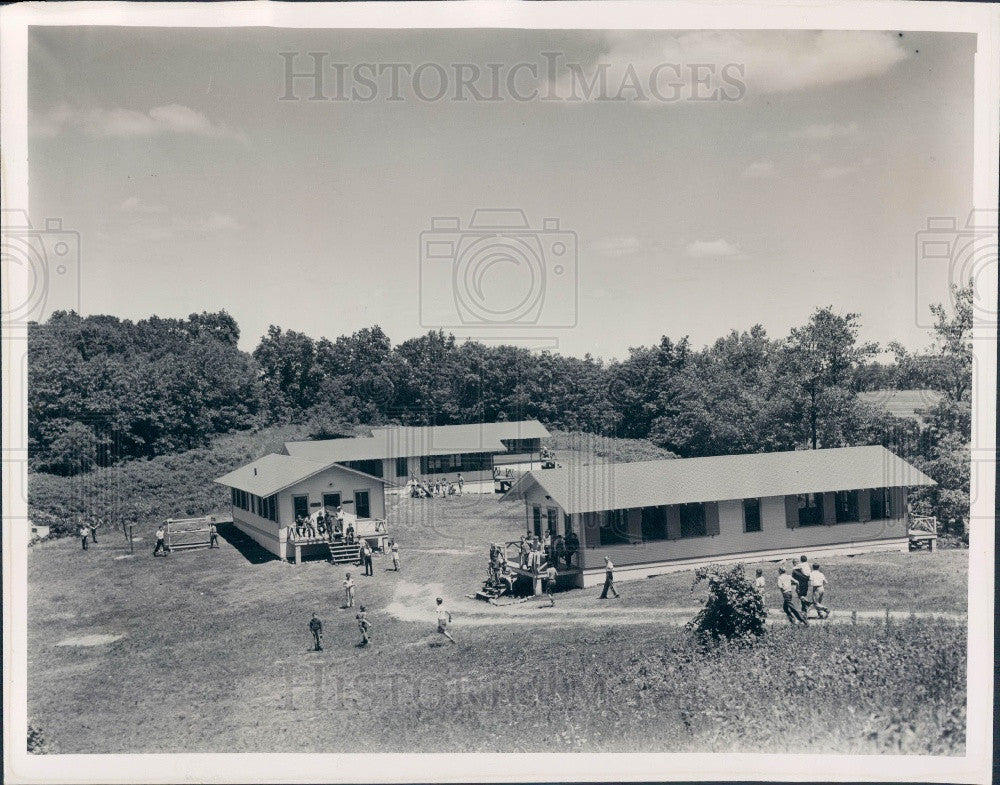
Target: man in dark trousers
x=84, y=534
x=213, y=534
x=366, y=556
x=160, y=543
x=800, y=574
x=316, y=628
x=609, y=579
x=93, y=530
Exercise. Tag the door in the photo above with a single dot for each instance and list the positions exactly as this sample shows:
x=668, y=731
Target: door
x=361, y=504
x=301, y=505
x=331, y=500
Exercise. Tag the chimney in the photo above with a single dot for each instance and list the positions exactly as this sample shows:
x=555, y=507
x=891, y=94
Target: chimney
x=254, y=471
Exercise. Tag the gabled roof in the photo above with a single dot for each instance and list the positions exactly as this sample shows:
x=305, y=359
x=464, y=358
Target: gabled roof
x=399, y=441
x=272, y=473
x=617, y=486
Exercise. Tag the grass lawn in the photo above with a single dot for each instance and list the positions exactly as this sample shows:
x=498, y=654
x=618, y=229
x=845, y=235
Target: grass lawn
x=209, y=651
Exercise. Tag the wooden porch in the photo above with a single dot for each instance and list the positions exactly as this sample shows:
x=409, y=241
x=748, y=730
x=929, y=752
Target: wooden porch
x=338, y=548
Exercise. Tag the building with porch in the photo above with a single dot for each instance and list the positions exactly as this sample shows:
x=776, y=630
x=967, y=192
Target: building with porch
x=654, y=517
x=395, y=453
x=268, y=495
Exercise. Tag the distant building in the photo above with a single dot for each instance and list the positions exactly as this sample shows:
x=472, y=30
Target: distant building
x=396, y=453
x=655, y=517
x=268, y=494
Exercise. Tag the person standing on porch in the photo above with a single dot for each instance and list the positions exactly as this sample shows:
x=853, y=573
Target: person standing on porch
x=572, y=546
x=609, y=579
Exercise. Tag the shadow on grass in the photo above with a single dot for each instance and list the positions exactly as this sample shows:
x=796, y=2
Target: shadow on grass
x=246, y=545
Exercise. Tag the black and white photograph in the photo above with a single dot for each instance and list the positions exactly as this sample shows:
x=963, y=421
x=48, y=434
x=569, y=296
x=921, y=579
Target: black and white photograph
x=558, y=379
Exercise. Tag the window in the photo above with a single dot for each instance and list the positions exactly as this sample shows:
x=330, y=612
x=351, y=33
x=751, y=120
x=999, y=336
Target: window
x=810, y=509
x=654, y=523
x=372, y=467
x=536, y=521
x=232, y=497
x=846, y=506
x=751, y=515
x=692, y=520
x=401, y=467
x=331, y=500
x=300, y=504
x=881, y=507
x=614, y=528
x=460, y=462
x=271, y=508
x=361, y=504
x=553, y=520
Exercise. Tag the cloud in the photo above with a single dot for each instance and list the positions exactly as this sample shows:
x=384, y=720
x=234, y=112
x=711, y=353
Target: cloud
x=135, y=205
x=618, y=246
x=836, y=172
x=765, y=61
x=118, y=122
x=706, y=249
x=827, y=131
x=759, y=169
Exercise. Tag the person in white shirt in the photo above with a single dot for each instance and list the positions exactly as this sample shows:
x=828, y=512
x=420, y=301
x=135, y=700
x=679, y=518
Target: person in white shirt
x=444, y=619
x=800, y=574
x=817, y=582
x=394, y=549
x=787, y=597
x=760, y=584
x=609, y=579
x=349, y=591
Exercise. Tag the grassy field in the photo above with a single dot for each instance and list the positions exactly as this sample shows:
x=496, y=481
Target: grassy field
x=209, y=651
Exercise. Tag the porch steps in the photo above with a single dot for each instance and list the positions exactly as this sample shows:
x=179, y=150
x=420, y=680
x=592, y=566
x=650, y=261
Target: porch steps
x=344, y=553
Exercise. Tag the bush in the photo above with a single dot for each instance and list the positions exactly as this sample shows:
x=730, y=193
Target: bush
x=37, y=743
x=734, y=609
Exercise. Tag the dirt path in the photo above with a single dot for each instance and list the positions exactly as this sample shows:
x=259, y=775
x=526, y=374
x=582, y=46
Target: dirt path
x=415, y=602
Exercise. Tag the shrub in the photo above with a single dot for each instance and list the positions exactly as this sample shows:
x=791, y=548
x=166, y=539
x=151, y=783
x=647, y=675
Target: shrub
x=37, y=743
x=734, y=609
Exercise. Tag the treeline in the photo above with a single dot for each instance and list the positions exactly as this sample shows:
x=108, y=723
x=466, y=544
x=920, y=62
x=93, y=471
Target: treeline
x=104, y=389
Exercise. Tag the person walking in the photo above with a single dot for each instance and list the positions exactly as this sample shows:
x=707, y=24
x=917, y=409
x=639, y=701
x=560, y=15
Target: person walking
x=84, y=535
x=801, y=577
x=364, y=625
x=443, y=620
x=817, y=582
x=609, y=579
x=349, y=591
x=213, y=535
x=394, y=550
x=551, y=576
x=160, y=542
x=316, y=628
x=787, y=597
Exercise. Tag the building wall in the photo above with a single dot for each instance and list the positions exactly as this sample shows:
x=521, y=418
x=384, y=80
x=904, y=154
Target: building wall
x=774, y=536
x=266, y=533
x=332, y=480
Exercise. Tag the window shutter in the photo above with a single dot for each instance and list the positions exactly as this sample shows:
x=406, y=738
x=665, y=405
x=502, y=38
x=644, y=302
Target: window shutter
x=792, y=512
x=865, y=505
x=829, y=508
x=712, y=518
x=673, y=522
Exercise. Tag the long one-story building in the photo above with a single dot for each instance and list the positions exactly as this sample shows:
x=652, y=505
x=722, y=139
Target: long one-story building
x=267, y=495
x=654, y=517
x=396, y=453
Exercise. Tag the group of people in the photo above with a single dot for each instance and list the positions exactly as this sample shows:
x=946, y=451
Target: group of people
x=535, y=551
x=324, y=525
x=88, y=532
x=807, y=583
x=444, y=620
x=440, y=487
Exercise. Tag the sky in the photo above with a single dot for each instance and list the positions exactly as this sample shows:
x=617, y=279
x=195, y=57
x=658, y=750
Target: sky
x=800, y=180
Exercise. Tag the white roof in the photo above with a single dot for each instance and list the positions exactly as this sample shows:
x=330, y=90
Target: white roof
x=272, y=473
x=618, y=486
